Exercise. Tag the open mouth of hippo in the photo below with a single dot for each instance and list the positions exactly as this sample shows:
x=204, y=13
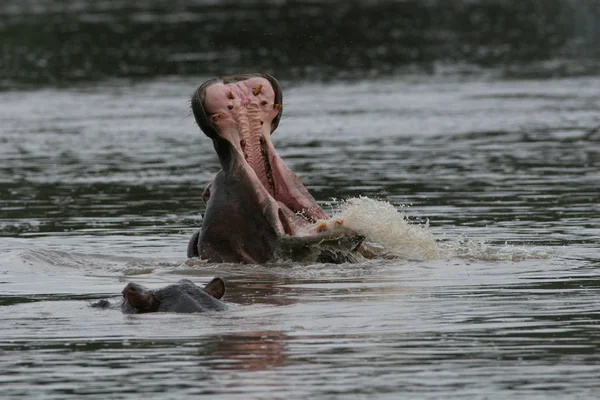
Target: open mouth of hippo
x=256, y=208
x=240, y=112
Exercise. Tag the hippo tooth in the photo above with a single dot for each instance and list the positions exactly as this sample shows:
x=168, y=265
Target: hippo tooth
x=265, y=156
x=277, y=106
x=321, y=227
x=257, y=89
x=231, y=95
x=215, y=117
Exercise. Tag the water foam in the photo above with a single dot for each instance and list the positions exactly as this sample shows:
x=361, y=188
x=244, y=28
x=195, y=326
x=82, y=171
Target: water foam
x=380, y=222
x=467, y=248
x=384, y=225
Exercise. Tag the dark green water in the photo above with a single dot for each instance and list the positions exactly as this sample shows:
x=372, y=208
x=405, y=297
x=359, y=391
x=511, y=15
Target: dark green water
x=482, y=118
x=59, y=42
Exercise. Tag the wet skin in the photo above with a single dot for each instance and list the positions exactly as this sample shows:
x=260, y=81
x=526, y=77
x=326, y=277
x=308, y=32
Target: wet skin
x=181, y=297
x=256, y=204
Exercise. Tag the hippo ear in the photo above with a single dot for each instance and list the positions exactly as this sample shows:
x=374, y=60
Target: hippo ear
x=216, y=288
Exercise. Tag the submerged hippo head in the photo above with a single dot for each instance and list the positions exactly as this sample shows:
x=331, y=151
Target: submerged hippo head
x=182, y=297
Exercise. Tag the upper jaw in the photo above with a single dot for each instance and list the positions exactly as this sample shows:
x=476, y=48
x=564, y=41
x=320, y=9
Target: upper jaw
x=239, y=112
x=205, y=115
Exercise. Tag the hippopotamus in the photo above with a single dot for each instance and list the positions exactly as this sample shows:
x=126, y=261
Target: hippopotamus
x=257, y=209
x=181, y=297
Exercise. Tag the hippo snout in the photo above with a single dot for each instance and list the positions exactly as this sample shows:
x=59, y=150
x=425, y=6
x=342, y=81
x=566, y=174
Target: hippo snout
x=139, y=297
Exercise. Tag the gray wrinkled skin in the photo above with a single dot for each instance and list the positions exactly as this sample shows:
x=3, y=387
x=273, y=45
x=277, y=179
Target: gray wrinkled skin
x=181, y=297
x=336, y=246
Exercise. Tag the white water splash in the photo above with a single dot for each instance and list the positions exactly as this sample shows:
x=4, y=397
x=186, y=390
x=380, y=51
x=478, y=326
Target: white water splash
x=380, y=222
x=467, y=248
x=384, y=225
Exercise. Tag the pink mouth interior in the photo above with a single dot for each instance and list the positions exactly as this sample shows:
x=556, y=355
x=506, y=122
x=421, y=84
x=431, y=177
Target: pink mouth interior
x=242, y=113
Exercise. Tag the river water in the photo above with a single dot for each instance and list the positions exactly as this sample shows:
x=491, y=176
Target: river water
x=482, y=181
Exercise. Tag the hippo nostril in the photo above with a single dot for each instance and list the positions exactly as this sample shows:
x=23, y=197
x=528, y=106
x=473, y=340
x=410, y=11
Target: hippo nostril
x=263, y=103
x=230, y=107
x=257, y=89
x=262, y=122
